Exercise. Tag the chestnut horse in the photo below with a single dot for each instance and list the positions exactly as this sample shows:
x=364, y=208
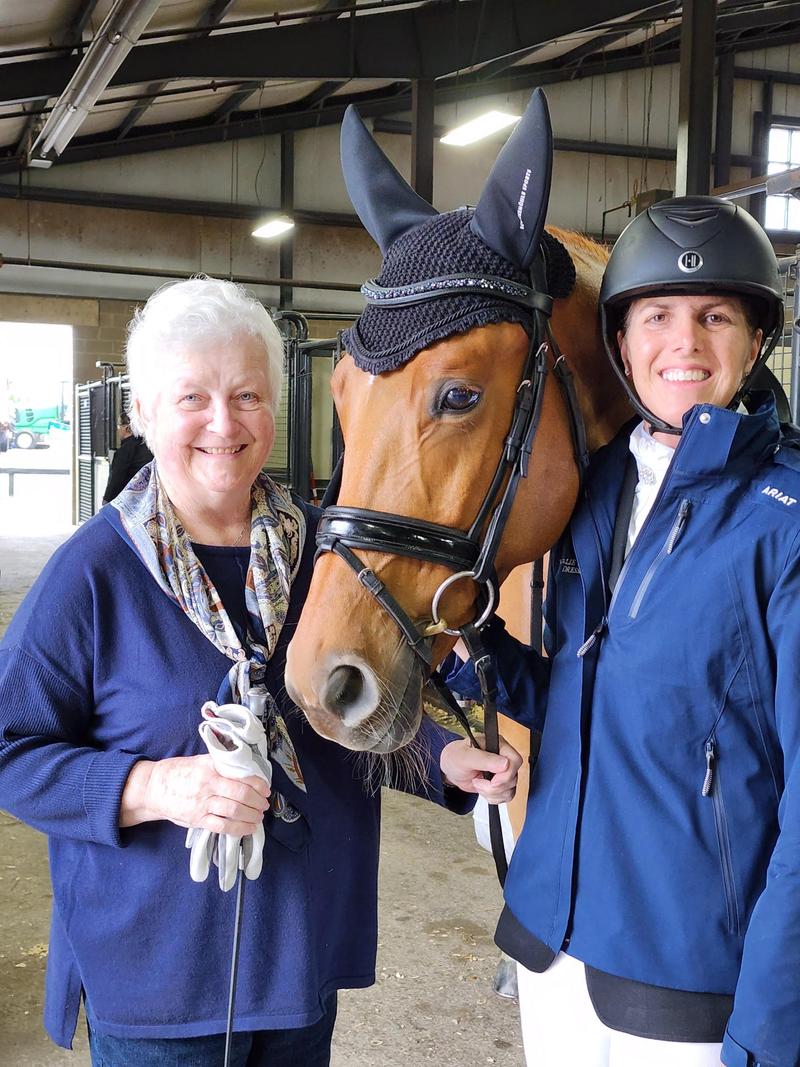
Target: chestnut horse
x=349, y=666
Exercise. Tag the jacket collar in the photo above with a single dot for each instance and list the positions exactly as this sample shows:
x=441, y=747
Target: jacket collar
x=715, y=438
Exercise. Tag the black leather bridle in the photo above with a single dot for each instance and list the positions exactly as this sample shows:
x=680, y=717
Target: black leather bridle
x=471, y=554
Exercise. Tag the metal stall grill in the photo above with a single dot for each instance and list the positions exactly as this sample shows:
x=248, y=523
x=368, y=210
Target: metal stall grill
x=279, y=465
x=124, y=397
x=85, y=457
x=782, y=361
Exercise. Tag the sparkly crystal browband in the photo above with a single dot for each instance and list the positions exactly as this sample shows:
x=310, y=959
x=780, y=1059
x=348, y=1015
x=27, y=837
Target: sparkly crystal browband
x=457, y=285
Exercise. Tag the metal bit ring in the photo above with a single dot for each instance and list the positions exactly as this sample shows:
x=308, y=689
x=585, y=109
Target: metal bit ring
x=446, y=585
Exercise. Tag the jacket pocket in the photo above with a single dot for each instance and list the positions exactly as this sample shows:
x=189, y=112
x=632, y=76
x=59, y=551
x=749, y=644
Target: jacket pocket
x=712, y=787
x=666, y=550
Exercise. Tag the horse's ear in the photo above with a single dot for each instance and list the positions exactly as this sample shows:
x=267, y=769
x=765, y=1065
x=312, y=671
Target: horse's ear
x=510, y=214
x=383, y=199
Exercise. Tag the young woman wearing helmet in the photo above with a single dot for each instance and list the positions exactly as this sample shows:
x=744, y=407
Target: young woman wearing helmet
x=653, y=900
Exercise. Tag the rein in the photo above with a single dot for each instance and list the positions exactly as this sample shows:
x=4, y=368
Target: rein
x=471, y=554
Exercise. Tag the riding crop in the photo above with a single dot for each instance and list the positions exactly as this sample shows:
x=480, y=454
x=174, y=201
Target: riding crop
x=234, y=736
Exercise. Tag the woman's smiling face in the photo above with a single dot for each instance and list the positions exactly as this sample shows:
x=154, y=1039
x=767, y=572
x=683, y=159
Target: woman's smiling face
x=211, y=426
x=685, y=350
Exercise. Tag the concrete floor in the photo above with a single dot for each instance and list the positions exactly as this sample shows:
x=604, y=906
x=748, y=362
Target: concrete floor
x=439, y=899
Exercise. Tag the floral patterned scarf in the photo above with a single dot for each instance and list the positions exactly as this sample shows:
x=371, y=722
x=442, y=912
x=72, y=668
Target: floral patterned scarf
x=277, y=535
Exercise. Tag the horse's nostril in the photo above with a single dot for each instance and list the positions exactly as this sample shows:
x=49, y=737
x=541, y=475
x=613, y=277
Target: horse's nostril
x=344, y=689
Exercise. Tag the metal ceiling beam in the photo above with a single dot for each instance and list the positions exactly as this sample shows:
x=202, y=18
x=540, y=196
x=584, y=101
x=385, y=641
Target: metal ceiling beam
x=237, y=98
x=497, y=66
x=759, y=144
x=695, y=106
x=383, y=103
x=571, y=144
x=233, y=102
x=211, y=17
x=214, y=14
x=136, y=112
x=577, y=55
x=302, y=115
x=402, y=127
x=764, y=74
x=258, y=127
x=424, y=42
x=729, y=23
x=79, y=21
x=723, y=127
x=331, y=9
x=286, y=250
x=786, y=181
x=169, y=272
x=169, y=205
x=422, y=104
x=321, y=93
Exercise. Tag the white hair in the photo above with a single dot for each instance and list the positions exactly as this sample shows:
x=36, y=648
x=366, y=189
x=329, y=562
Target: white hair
x=195, y=314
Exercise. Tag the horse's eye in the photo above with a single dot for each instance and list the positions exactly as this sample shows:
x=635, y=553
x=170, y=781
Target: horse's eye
x=459, y=398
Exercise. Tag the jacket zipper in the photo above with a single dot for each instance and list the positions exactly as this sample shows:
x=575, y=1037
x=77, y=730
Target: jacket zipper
x=666, y=550
x=626, y=565
x=712, y=786
x=593, y=637
x=708, y=781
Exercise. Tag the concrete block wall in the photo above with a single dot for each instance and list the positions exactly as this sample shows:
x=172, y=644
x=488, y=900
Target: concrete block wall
x=104, y=340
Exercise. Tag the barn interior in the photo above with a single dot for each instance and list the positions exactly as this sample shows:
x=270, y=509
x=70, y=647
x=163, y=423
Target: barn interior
x=145, y=141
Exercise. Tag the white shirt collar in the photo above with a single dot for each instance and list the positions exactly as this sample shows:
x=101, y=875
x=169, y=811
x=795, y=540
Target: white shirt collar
x=652, y=457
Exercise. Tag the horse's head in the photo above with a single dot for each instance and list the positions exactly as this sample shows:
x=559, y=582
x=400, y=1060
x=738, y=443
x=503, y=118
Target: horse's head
x=438, y=368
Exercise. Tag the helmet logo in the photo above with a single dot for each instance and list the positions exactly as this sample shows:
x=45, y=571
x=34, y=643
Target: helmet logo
x=689, y=262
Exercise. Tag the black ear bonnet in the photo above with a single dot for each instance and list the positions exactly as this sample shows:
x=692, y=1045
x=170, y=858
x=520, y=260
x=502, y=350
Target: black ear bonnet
x=493, y=245
x=384, y=338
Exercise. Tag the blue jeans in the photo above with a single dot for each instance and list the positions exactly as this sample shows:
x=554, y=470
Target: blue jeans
x=308, y=1046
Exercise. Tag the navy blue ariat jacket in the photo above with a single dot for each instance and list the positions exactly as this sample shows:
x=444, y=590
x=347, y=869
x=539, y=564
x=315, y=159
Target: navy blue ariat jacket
x=662, y=835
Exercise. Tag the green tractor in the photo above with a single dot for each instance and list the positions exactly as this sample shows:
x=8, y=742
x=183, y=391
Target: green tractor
x=32, y=425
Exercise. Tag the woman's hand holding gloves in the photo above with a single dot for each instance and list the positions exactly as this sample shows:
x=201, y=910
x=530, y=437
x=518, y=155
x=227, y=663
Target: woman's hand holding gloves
x=221, y=797
x=235, y=738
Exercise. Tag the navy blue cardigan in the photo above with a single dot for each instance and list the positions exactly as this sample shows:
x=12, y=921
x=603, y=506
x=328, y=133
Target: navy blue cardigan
x=99, y=669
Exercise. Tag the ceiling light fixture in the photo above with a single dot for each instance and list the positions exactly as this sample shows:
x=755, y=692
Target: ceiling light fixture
x=478, y=128
x=119, y=32
x=274, y=227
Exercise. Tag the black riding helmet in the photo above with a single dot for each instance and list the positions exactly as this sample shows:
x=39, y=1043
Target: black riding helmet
x=687, y=246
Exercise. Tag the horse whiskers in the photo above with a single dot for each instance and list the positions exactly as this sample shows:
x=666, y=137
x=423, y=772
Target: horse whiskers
x=405, y=769
x=370, y=767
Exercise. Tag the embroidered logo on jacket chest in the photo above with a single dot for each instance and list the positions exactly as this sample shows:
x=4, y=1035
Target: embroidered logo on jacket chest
x=779, y=495
x=569, y=565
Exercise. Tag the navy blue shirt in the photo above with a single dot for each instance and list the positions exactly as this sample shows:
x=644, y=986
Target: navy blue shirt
x=227, y=569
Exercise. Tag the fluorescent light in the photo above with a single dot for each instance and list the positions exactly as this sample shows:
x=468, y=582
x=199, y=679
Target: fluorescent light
x=480, y=127
x=119, y=32
x=273, y=227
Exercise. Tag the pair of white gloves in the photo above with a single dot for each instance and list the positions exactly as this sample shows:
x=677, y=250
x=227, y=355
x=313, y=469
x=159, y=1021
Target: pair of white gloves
x=235, y=738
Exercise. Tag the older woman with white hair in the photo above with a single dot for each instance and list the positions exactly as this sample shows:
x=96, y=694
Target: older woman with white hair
x=170, y=610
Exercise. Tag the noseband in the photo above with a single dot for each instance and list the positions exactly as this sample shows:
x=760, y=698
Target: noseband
x=471, y=555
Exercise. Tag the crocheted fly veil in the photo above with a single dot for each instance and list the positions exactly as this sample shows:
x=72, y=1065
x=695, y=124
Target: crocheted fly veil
x=443, y=274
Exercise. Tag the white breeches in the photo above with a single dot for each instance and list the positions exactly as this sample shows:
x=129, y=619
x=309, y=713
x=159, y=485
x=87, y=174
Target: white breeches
x=560, y=1027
